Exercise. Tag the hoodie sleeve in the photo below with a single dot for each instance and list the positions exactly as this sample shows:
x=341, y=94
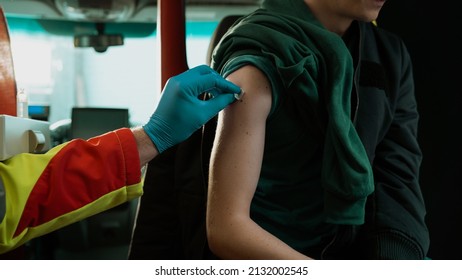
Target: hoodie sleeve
x=72, y=181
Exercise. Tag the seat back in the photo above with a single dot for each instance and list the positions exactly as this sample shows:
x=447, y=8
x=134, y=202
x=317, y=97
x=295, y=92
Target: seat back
x=87, y=122
x=222, y=27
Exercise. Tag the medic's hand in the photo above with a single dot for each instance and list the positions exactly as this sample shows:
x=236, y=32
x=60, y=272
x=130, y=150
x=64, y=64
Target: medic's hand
x=180, y=112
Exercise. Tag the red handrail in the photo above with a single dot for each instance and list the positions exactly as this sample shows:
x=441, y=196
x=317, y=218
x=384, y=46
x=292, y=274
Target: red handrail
x=171, y=37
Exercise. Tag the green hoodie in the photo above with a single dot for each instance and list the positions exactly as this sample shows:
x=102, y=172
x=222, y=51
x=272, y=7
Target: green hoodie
x=311, y=71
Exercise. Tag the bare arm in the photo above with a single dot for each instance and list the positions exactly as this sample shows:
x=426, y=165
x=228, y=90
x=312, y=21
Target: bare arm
x=235, y=167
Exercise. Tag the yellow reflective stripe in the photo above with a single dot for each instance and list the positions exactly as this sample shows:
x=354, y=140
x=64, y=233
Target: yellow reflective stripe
x=103, y=203
x=20, y=174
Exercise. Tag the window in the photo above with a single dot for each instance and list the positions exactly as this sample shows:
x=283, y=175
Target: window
x=60, y=76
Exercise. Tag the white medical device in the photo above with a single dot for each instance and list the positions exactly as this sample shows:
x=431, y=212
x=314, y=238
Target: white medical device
x=23, y=135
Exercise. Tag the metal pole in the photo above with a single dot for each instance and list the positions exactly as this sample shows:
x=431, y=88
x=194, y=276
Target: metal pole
x=171, y=38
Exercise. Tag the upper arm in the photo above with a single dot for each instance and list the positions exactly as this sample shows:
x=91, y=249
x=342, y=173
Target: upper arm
x=238, y=148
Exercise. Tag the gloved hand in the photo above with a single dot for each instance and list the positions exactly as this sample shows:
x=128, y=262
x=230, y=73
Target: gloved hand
x=180, y=112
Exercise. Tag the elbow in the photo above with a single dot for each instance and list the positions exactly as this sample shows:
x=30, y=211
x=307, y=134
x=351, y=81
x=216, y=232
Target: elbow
x=225, y=236
x=216, y=240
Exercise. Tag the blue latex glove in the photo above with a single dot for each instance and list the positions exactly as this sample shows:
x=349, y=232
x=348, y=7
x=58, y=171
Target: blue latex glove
x=180, y=112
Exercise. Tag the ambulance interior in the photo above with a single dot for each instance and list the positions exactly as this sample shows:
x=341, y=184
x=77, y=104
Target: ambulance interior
x=76, y=59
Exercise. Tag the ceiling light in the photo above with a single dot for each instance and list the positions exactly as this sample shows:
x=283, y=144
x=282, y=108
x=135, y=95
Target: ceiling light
x=96, y=10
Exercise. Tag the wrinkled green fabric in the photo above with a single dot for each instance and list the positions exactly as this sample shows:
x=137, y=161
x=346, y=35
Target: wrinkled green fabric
x=315, y=65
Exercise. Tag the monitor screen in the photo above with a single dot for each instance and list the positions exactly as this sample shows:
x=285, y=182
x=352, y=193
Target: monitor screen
x=39, y=112
x=88, y=122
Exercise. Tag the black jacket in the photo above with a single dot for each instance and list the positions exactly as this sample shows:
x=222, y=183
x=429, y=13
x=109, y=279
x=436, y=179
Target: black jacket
x=386, y=119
